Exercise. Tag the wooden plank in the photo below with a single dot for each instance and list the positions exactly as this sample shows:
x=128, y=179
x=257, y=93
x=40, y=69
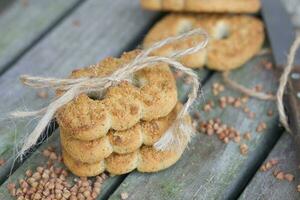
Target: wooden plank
x=265, y=186
x=97, y=35
x=25, y=22
x=210, y=169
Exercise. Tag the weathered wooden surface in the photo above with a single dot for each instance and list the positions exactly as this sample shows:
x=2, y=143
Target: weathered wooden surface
x=24, y=22
x=67, y=47
x=265, y=186
x=210, y=169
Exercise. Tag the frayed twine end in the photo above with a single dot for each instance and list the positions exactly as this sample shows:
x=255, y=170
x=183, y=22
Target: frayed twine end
x=177, y=136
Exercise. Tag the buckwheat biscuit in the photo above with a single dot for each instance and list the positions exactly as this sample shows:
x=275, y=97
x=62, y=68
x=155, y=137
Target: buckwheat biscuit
x=234, y=39
x=154, y=95
x=173, y=25
x=145, y=159
x=120, y=142
x=214, y=6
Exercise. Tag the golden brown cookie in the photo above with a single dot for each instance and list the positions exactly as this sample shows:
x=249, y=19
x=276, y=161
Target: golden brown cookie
x=120, y=142
x=234, y=39
x=124, y=105
x=214, y=6
x=146, y=159
x=82, y=169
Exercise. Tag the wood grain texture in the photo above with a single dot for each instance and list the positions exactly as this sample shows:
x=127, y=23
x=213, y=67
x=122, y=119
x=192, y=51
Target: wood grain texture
x=210, y=169
x=265, y=186
x=24, y=22
x=97, y=34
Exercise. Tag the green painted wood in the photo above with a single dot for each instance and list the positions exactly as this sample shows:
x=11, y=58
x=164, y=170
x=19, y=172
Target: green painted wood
x=265, y=186
x=96, y=35
x=210, y=169
x=24, y=23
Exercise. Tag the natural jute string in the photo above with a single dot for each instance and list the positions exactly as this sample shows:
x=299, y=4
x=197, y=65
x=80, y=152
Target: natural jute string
x=179, y=130
x=283, y=81
x=245, y=90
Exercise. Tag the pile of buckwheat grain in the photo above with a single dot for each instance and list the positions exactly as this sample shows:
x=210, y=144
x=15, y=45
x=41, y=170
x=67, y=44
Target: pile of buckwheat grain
x=51, y=182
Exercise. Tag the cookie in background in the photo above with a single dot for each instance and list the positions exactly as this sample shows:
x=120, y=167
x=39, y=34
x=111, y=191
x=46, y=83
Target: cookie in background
x=202, y=6
x=234, y=39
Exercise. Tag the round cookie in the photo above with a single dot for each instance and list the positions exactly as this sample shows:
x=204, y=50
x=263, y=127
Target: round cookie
x=214, y=6
x=234, y=39
x=176, y=25
x=154, y=95
x=120, y=142
x=118, y=164
x=82, y=169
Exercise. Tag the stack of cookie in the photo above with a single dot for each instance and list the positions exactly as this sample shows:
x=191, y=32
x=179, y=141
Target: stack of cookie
x=117, y=131
x=234, y=38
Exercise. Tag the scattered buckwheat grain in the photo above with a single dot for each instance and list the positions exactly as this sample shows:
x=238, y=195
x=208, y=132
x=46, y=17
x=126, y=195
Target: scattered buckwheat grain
x=261, y=127
x=247, y=136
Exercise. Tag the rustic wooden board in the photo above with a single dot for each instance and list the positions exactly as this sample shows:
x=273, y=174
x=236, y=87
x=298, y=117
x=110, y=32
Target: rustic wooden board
x=96, y=35
x=24, y=22
x=210, y=169
x=265, y=186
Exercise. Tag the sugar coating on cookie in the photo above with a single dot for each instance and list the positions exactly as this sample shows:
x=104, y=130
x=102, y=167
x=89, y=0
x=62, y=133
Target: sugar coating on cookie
x=213, y=6
x=234, y=39
x=82, y=169
x=153, y=95
x=121, y=142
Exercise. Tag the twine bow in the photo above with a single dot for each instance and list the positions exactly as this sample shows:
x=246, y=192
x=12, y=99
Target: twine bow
x=73, y=87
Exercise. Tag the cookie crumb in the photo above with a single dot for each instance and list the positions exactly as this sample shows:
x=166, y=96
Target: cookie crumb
x=124, y=195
